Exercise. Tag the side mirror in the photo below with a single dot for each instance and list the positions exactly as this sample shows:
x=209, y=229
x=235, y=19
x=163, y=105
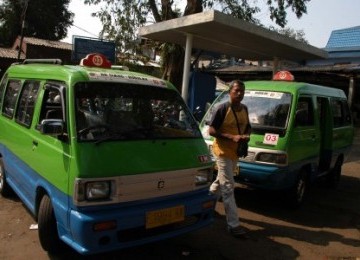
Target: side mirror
x=53, y=127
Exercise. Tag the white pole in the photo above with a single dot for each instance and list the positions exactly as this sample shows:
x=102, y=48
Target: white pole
x=351, y=91
x=187, y=62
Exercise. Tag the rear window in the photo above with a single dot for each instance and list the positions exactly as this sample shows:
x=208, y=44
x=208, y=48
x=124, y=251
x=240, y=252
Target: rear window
x=10, y=98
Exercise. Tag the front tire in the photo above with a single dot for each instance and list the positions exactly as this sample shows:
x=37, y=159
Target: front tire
x=48, y=233
x=297, y=193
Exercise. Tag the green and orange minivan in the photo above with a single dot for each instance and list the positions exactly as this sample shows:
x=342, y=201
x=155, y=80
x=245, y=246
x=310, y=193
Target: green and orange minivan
x=103, y=158
x=300, y=132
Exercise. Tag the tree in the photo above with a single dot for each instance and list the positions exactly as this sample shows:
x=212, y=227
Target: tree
x=121, y=18
x=44, y=19
x=296, y=34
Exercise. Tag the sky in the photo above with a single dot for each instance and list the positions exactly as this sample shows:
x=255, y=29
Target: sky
x=323, y=16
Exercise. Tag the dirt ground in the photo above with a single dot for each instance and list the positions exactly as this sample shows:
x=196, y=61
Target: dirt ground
x=326, y=227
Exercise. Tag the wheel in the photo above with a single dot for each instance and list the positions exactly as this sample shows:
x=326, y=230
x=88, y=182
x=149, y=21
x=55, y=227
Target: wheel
x=298, y=192
x=48, y=233
x=333, y=179
x=5, y=189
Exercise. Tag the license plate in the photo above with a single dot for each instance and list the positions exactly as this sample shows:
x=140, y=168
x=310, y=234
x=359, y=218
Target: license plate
x=166, y=216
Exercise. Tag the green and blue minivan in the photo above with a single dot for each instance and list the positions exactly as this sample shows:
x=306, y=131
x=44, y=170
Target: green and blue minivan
x=300, y=132
x=103, y=158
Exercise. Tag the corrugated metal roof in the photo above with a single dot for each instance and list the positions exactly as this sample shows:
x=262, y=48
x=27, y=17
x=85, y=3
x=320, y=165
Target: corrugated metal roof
x=48, y=43
x=344, y=38
x=10, y=54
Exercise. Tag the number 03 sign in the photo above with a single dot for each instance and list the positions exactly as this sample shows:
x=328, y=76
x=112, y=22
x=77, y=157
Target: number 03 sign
x=271, y=139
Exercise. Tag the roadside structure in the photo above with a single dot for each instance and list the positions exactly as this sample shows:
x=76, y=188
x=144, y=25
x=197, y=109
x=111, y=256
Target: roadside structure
x=221, y=33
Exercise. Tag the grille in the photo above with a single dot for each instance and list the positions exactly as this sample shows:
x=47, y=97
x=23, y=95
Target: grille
x=141, y=232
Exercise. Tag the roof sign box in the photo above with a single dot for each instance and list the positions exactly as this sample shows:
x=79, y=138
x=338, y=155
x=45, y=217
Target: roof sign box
x=95, y=60
x=83, y=46
x=283, y=75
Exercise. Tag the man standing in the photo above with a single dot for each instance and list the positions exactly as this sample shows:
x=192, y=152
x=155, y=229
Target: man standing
x=229, y=125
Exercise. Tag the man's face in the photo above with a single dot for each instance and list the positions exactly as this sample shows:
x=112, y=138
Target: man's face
x=237, y=93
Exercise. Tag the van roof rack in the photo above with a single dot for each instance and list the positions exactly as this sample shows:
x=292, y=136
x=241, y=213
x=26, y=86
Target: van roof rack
x=43, y=61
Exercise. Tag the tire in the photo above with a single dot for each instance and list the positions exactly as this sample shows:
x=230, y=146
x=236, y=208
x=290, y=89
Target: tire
x=333, y=179
x=48, y=233
x=297, y=193
x=5, y=189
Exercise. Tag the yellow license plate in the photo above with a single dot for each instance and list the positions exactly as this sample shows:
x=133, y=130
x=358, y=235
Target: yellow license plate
x=166, y=216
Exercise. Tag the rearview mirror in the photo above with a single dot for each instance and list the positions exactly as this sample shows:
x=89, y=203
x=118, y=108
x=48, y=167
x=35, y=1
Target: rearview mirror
x=53, y=127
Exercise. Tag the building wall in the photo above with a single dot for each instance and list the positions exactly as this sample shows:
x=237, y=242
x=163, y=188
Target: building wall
x=41, y=52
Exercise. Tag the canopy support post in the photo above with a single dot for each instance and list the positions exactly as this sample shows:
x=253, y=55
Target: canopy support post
x=186, y=71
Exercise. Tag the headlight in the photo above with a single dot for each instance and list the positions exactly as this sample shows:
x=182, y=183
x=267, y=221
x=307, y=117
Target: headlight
x=97, y=190
x=272, y=158
x=203, y=177
x=92, y=190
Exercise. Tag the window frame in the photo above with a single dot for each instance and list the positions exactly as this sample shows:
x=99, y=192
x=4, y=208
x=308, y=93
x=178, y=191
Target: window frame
x=27, y=100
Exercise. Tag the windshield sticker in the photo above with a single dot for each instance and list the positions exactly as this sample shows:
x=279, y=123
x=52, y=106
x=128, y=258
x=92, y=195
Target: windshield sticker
x=271, y=139
x=264, y=94
x=115, y=77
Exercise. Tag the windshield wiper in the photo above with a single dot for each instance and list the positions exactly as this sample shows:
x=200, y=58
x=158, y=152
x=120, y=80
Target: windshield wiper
x=135, y=133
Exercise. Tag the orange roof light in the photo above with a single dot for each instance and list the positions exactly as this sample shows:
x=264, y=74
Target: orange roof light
x=95, y=60
x=283, y=75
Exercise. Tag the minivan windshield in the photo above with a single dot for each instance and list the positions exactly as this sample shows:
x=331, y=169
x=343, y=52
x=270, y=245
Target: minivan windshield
x=267, y=109
x=122, y=111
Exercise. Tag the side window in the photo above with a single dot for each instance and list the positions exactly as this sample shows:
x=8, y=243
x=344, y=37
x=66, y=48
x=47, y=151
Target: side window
x=2, y=88
x=51, y=107
x=27, y=99
x=10, y=98
x=304, y=112
x=341, y=113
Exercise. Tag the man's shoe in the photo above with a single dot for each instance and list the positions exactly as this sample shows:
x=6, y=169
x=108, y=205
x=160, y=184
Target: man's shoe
x=238, y=232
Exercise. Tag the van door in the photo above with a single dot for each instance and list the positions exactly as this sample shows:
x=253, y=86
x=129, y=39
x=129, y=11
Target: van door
x=305, y=144
x=343, y=130
x=326, y=132
x=50, y=152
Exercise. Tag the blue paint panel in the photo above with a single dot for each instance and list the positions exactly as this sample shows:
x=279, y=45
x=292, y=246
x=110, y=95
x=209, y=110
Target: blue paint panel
x=201, y=91
x=130, y=219
x=25, y=181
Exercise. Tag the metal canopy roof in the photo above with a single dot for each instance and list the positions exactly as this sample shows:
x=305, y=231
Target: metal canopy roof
x=224, y=34
x=221, y=33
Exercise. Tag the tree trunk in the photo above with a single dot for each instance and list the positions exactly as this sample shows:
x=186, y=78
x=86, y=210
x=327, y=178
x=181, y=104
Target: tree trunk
x=173, y=62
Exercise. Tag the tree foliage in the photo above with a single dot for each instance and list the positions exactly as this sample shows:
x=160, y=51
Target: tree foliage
x=296, y=34
x=44, y=19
